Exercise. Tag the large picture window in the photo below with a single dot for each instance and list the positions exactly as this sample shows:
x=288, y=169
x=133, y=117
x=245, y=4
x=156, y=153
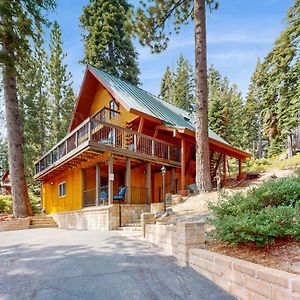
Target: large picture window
x=62, y=189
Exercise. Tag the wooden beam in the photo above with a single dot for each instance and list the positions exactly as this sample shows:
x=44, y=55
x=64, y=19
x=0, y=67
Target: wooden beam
x=82, y=186
x=224, y=169
x=240, y=176
x=98, y=183
x=110, y=179
x=148, y=183
x=172, y=180
x=128, y=180
x=192, y=149
x=183, y=164
x=141, y=125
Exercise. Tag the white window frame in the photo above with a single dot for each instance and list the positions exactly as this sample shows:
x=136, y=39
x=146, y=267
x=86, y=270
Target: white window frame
x=59, y=185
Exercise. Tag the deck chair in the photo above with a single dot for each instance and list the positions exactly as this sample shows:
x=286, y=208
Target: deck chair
x=109, y=140
x=121, y=195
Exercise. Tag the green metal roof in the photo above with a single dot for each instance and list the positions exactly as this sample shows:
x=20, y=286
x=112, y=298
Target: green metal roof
x=137, y=98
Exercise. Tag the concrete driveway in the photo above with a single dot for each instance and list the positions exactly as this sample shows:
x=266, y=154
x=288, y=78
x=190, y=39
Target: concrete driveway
x=61, y=264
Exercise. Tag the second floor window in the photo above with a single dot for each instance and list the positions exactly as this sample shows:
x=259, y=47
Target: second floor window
x=112, y=107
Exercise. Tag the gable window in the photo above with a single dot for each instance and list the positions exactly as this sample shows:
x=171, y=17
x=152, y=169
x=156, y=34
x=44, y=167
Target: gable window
x=62, y=189
x=112, y=107
x=102, y=114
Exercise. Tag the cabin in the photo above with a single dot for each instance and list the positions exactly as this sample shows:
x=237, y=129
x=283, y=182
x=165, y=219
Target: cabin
x=5, y=183
x=107, y=169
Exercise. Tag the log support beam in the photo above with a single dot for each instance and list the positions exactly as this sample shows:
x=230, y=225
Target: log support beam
x=128, y=180
x=148, y=183
x=110, y=180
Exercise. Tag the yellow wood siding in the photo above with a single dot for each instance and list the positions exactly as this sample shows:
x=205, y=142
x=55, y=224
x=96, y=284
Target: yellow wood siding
x=102, y=99
x=73, y=199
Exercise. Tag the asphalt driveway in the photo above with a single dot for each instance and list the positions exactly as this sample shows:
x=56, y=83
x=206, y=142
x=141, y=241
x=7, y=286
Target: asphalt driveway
x=64, y=264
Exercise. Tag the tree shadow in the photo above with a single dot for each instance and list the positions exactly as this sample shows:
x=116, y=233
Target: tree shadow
x=95, y=265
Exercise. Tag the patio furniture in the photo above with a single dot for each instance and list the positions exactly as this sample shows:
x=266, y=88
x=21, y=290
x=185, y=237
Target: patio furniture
x=121, y=195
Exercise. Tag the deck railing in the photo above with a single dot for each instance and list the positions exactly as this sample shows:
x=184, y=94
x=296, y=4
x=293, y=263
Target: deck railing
x=96, y=133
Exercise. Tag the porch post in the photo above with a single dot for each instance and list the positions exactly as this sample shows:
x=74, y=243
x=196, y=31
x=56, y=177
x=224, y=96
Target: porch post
x=110, y=180
x=224, y=170
x=182, y=186
x=82, y=187
x=128, y=180
x=172, y=180
x=240, y=176
x=148, y=183
x=98, y=182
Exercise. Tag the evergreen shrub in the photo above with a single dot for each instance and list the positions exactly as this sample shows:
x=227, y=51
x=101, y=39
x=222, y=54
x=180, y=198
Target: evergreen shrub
x=261, y=215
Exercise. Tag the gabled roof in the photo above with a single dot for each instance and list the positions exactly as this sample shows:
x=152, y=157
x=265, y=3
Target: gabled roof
x=136, y=99
x=141, y=100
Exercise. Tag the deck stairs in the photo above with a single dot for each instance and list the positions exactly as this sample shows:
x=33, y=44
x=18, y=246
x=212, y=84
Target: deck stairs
x=42, y=222
x=133, y=226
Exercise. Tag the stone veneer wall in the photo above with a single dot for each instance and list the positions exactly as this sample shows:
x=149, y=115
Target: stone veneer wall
x=240, y=278
x=99, y=218
x=15, y=224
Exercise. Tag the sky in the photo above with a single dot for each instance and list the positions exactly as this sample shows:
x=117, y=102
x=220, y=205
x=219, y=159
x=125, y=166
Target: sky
x=238, y=33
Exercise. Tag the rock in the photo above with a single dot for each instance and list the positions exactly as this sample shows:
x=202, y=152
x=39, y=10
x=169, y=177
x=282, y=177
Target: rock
x=273, y=176
x=283, y=156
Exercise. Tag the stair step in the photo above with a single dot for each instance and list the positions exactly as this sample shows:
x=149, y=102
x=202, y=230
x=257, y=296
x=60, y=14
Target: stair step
x=125, y=228
x=138, y=224
x=43, y=226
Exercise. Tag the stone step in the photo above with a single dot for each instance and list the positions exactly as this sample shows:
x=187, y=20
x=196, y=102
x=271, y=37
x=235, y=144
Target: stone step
x=136, y=224
x=125, y=228
x=42, y=221
x=43, y=226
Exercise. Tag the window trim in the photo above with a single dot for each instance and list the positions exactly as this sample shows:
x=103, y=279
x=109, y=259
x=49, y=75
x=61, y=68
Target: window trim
x=59, y=185
x=112, y=106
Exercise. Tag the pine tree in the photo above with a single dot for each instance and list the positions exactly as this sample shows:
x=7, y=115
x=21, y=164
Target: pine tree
x=150, y=24
x=60, y=87
x=107, y=39
x=34, y=106
x=166, y=86
x=183, y=85
x=251, y=121
x=279, y=82
x=18, y=19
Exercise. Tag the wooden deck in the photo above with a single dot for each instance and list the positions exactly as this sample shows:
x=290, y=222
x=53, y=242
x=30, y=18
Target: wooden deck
x=102, y=137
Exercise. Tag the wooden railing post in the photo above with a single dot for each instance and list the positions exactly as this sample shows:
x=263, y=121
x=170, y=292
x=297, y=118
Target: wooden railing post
x=89, y=129
x=76, y=139
x=152, y=147
x=134, y=142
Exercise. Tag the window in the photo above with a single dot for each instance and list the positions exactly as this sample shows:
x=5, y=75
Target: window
x=62, y=189
x=112, y=107
x=102, y=114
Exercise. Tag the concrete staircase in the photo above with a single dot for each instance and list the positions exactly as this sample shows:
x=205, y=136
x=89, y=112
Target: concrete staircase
x=133, y=226
x=42, y=222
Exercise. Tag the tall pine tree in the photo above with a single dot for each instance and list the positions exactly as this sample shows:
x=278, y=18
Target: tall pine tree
x=60, y=87
x=107, y=39
x=19, y=20
x=166, y=86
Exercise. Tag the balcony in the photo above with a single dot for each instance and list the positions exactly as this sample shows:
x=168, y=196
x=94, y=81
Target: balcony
x=101, y=136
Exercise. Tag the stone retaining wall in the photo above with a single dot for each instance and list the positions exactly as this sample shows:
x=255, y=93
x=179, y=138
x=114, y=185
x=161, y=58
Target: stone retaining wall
x=242, y=279
x=177, y=239
x=99, y=218
x=15, y=224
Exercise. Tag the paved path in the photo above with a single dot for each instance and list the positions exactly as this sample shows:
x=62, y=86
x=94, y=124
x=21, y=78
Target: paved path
x=61, y=264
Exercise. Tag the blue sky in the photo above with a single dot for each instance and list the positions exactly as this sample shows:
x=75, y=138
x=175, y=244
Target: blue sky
x=237, y=34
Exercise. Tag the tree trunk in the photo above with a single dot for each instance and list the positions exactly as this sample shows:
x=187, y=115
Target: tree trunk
x=21, y=205
x=290, y=145
x=203, y=179
x=259, y=136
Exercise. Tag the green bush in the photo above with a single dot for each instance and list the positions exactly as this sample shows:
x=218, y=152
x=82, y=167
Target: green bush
x=261, y=215
x=6, y=203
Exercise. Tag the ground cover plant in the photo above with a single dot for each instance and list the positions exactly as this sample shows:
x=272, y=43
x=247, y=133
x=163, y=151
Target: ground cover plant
x=261, y=215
